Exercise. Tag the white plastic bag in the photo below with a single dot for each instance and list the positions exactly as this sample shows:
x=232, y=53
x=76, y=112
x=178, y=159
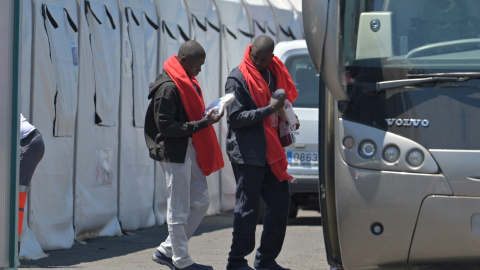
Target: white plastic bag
x=219, y=104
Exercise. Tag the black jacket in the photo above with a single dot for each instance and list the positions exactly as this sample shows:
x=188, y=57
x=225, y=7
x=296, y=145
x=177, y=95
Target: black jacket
x=167, y=127
x=246, y=142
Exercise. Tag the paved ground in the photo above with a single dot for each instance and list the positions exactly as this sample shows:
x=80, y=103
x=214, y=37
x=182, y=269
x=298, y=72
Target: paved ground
x=303, y=248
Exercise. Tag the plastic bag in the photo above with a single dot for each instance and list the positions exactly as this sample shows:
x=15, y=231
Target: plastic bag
x=219, y=104
x=285, y=132
x=290, y=116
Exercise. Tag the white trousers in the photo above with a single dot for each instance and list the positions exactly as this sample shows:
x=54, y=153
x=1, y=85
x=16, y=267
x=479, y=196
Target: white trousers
x=188, y=202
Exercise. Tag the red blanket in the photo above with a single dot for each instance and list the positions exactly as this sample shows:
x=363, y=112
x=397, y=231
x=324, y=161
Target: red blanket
x=260, y=91
x=209, y=154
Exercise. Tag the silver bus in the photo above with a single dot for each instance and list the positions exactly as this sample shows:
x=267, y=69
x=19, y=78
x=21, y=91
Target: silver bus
x=399, y=131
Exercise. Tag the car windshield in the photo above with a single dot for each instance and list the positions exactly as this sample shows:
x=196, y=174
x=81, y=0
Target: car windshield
x=306, y=79
x=389, y=39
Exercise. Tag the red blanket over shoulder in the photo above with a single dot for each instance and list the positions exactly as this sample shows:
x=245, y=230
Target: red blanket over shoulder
x=209, y=154
x=260, y=91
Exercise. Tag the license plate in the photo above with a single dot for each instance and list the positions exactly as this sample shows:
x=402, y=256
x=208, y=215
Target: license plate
x=302, y=157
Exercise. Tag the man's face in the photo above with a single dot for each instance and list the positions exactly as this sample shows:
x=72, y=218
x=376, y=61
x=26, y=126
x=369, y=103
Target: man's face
x=260, y=59
x=192, y=66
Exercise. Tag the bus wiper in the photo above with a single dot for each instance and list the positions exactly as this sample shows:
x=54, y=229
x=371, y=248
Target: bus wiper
x=415, y=79
x=468, y=75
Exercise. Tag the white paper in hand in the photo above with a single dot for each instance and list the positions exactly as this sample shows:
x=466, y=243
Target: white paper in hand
x=219, y=105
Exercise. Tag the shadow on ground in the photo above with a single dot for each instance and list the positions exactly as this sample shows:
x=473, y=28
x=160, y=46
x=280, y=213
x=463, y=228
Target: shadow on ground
x=131, y=242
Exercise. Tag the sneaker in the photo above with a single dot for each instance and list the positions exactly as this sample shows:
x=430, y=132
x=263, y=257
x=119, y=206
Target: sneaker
x=273, y=267
x=195, y=266
x=243, y=267
x=162, y=259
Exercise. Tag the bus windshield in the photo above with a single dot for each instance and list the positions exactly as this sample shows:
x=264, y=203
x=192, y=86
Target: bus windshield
x=393, y=39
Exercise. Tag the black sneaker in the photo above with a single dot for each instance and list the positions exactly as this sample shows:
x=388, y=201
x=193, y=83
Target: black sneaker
x=273, y=267
x=162, y=259
x=243, y=267
x=195, y=266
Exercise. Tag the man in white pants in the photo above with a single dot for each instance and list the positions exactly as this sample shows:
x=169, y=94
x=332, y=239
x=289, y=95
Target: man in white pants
x=179, y=136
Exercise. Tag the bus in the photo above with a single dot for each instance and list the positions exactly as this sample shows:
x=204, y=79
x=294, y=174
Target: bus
x=399, y=131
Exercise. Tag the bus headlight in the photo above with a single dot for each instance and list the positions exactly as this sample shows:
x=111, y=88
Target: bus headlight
x=391, y=153
x=367, y=149
x=415, y=158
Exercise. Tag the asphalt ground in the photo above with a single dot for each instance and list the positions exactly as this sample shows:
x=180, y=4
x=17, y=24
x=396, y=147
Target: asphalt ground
x=303, y=248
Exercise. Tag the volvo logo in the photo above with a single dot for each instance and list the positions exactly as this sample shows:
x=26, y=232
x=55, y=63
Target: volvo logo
x=407, y=122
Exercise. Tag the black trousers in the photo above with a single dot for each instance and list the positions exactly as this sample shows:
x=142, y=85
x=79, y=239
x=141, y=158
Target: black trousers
x=254, y=182
x=32, y=149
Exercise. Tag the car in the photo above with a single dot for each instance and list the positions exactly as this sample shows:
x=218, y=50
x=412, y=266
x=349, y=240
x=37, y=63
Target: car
x=302, y=155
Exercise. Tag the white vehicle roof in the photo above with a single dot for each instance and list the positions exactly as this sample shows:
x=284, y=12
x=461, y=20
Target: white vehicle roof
x=286, y=48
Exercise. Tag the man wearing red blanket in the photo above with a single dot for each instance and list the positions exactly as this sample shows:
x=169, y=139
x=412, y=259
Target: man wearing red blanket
x=186, y=145
x=258, y=159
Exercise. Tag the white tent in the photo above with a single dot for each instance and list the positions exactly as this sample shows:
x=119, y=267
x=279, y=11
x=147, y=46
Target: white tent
x=262, y=18
x=136, y=173
x=289, y=25
x=25, y=58
x=206, y=31
x=53, y=112
x=237, y=32
x=30, y=248
x=174, y=31
x=175, y=27
x=236, y=36
x=96, y=160
x=297, y=10
x=85, y=73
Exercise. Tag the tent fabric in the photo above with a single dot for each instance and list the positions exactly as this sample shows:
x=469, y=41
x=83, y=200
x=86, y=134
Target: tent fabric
x=62, y=36
x=236, y=36
x=136, y=168
x=175, y=27
x=236, y=31
x=96, y=162
x=206, y=31
x=50, y=214
x=24, y=83
x=297, y=11
x=289, y=27
x=85, y=70
x=262, y=18
x=142, y=31
x=30, y=249
x=174, y=21
x=104, y=28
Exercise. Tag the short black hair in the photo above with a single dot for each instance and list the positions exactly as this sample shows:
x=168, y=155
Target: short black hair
x=263, y=43
x=191, y=49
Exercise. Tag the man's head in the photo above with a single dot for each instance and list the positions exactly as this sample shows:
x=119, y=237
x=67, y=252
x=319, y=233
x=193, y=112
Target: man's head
x=261, y=53
x=191, y=57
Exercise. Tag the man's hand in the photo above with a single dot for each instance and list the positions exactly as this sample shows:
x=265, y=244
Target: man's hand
x=277, y=104
x=211, y=118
